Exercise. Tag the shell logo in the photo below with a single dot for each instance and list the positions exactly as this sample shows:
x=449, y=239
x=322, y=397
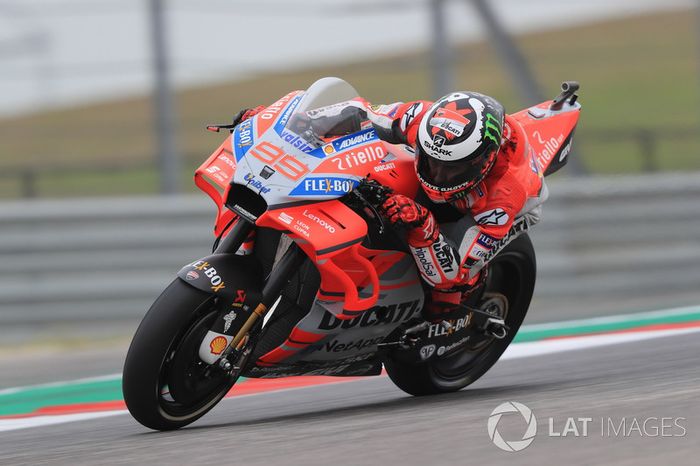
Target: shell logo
x=218, y=344
x=328, y=149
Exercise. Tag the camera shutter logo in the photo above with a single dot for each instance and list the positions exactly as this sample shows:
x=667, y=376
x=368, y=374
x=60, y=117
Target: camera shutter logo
x=528, y=436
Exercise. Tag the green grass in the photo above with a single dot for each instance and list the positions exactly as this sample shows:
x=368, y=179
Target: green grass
x=635, y=73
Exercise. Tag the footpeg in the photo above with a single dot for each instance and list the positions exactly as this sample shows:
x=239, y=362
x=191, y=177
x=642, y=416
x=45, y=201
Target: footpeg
x=446, y=325
x=416, y=328
x=495, y=327
x=408, y=339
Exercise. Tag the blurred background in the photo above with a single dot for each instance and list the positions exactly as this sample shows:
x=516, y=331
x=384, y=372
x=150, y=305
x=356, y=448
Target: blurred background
x=103, y=107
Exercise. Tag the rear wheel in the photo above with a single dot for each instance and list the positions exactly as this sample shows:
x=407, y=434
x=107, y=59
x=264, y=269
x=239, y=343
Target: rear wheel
x=165, y=384
x=508, y=293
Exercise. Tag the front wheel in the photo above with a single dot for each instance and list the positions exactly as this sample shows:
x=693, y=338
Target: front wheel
x=165, y=384
x=508, y=293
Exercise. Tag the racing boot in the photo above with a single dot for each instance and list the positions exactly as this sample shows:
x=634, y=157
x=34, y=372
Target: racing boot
x=448, y=304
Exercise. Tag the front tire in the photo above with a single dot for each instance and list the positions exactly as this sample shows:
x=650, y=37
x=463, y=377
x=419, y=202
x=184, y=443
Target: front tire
x=511, y=283
x=165, y=385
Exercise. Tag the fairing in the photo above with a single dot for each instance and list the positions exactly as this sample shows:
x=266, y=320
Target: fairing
x=300, y=173
x=286, y=168
x=549, y=133
x=364, y=294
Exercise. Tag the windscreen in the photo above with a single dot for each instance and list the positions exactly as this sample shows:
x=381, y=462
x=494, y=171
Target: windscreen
x=325, y=111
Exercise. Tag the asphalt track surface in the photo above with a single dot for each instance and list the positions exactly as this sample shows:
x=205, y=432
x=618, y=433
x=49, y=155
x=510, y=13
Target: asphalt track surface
x=371, y=422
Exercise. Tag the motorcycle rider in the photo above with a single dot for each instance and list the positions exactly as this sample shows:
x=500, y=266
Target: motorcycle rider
x=469, y=155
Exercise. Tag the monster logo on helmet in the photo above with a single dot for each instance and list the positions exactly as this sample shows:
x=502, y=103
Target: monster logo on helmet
x=458, y=140
x=492, y=129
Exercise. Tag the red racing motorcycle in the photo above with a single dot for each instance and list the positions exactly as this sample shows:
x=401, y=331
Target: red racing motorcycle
x=306, y=278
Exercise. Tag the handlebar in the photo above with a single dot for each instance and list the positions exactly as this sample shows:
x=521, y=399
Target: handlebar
x=568, y=91
x=368, y=196
x=373, y=191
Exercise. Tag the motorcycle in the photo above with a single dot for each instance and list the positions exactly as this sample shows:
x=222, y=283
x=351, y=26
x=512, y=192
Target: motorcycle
x=306, y=278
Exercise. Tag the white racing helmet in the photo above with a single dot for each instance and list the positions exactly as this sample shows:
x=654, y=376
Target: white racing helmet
x=458, y=140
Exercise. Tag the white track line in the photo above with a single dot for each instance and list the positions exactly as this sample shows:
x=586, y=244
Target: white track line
x=40, y=421
x=613, y=319
x=560, y=345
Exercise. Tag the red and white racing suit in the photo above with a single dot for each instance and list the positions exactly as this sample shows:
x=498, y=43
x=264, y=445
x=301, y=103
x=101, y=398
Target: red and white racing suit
x=496, y=210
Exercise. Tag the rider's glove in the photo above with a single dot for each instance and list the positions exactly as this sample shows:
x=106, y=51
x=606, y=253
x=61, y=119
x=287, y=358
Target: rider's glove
x=247, y=113
x=419, y=221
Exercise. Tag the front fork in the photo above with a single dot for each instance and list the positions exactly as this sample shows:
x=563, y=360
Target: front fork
x=278, y=278
x=235, y=238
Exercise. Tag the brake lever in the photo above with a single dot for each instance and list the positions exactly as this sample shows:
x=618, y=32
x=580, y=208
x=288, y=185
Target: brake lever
x=374, y=210
x=379, y=192
x=218, y=128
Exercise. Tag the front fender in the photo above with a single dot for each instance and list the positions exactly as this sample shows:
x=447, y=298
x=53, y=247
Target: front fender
x=233, y=277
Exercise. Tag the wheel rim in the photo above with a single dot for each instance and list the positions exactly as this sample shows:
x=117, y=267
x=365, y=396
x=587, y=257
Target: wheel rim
x=497, y=305
x=186, y=385
x=503, y=289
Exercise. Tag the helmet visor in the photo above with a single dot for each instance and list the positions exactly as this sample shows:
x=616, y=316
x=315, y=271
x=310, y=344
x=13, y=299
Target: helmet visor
x=447, y=175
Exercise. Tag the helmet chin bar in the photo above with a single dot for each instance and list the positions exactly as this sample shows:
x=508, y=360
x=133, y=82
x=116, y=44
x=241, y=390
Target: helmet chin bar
x=441, y=194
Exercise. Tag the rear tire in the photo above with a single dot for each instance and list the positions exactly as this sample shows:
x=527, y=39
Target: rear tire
x=166, y=342
x=512, y=276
